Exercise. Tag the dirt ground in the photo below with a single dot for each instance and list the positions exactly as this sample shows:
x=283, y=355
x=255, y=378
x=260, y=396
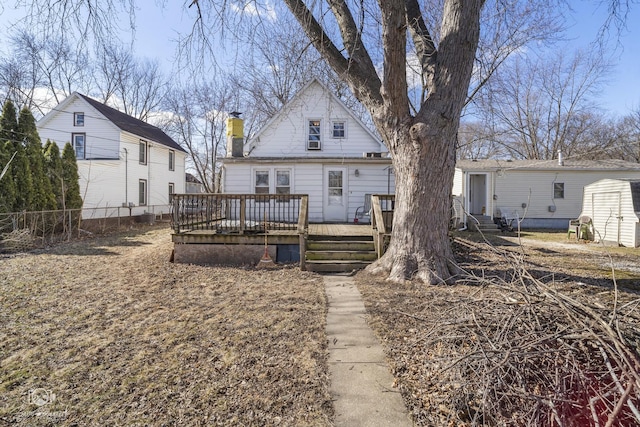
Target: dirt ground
x=107, y=332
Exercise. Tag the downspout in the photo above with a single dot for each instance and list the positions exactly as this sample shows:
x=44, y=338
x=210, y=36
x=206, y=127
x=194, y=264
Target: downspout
x=149, y=176
x=126, y=177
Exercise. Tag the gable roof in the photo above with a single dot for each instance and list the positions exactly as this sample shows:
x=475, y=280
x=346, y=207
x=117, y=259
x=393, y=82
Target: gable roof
x=285, y=109
x=547, y=165
x=121, y=120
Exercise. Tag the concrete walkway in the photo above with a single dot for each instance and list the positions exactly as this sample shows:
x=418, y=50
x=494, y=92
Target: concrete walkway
x=361, y=384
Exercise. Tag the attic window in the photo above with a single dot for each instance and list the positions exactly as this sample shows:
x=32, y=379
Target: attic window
x=78, y=119
x=339, y=129
x=314, y=135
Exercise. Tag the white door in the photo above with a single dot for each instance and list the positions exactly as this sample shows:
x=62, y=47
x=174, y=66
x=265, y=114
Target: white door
x=478, y=194
x=335, y=194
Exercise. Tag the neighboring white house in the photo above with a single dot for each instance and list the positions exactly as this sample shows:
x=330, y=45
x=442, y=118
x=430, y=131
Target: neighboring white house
x=546, y=193
x=315, y=145
x=614, y=208
x=122, y=161
x=193, y=185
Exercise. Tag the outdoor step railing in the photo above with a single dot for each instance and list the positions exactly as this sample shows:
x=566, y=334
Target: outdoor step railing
x=382, y=206
x=239, y=213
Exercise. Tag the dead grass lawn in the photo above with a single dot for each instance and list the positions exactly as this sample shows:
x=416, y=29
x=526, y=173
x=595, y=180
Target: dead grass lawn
x=123, y=337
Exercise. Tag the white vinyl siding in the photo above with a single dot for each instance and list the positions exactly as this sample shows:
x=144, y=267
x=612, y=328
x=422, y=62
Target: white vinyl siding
x=287, y=134
x=306, y=178
x=535, y=189
x=609, y=203
x=109, y=179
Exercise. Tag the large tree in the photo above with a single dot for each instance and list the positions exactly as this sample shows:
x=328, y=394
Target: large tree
x=419, y=131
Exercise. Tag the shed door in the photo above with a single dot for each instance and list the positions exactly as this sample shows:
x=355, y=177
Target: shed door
x=606, y=216
x=335, y=194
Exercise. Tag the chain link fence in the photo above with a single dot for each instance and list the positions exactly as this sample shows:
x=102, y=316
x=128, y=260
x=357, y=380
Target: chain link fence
x=24, y=231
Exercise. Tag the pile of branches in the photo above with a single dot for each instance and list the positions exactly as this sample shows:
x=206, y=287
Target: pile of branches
x=510, y=345
x=519, y=351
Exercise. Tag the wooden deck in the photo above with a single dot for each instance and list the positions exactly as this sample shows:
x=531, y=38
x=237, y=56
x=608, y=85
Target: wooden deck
x=233, y=228
x=273, y=236
x=340, y=230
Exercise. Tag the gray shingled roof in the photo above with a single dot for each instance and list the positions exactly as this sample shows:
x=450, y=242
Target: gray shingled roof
x=133, y=125
x=569, y=164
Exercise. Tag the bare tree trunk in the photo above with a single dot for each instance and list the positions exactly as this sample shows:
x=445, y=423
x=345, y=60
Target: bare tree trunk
x=423, y=147
x=424, y=165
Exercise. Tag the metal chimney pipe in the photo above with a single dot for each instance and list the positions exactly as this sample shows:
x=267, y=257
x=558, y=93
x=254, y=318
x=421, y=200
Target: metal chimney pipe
x=560, y=159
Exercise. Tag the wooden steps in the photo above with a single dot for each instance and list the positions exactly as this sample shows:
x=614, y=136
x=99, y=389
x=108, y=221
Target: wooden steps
x=335, y=254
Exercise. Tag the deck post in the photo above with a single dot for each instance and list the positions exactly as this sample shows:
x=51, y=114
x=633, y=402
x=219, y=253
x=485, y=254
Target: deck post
x=377, y=221
x=303, y=227
x=243, y=214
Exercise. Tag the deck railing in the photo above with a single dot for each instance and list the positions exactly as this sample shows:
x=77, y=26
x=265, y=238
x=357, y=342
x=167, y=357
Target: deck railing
x=382, y=206
x=239, y=213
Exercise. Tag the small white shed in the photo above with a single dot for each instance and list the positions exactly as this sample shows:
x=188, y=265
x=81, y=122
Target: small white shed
x=614, y=206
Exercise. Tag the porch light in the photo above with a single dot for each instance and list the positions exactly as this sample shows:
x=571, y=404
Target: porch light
x=356, y=172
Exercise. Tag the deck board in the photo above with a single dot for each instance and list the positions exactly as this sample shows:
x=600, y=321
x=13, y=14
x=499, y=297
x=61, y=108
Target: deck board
x=275, y=236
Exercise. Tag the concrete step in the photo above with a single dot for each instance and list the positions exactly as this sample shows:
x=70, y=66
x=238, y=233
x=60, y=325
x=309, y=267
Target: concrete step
x=344, y=255
x=486, y=228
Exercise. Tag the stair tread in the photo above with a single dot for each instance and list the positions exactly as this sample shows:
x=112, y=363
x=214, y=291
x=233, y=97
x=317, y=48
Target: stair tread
x=337, y=261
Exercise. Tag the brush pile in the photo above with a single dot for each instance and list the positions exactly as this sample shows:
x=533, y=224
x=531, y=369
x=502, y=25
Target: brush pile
x=508, y=347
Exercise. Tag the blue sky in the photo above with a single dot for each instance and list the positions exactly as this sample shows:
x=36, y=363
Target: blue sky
x=622, y=93
x=157, y=27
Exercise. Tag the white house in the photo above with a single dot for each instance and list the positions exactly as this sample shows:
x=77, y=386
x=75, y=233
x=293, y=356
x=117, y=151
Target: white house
x=122, y=161
x=547, y=194
x=315, y=145
x=614, y=207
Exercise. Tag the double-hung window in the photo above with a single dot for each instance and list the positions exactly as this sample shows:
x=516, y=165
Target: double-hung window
x=339, y=129
x=558, y=190
x=142, y=192
x=262, y=182
x=79, y=145
x=172, y=160
x=171, y=191
x=314, y=140
x=144, y=147
x=283, y=182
